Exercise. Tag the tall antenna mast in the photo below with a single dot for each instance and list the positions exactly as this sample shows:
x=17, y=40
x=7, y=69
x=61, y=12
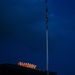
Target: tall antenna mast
x=47, y=37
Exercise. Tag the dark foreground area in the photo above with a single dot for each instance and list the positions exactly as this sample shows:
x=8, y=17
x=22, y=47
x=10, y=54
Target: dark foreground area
x=11, y=69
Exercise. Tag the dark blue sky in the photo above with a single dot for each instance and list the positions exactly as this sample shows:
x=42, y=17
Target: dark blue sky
x=22, y=34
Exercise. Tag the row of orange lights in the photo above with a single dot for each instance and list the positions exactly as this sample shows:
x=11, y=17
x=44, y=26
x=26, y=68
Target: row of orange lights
x=28, y=65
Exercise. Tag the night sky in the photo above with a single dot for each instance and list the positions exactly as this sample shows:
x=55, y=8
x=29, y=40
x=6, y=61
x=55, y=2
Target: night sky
x=23, y=30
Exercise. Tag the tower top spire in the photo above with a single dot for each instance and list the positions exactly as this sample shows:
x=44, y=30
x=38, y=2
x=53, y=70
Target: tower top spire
x=46, y=15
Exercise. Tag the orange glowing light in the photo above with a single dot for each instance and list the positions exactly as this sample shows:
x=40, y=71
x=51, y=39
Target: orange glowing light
x=28, y=65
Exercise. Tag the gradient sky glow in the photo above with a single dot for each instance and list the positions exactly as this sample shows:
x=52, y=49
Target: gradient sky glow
x=22, y=34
